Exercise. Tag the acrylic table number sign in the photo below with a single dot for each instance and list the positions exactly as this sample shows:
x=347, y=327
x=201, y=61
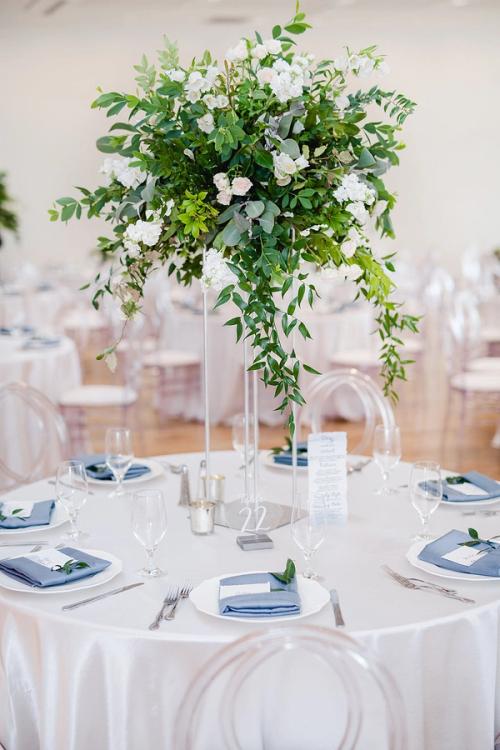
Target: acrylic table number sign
x=327, y=468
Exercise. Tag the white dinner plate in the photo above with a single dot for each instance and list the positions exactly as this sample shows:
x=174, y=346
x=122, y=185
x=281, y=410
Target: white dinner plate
x=465, y=503
x=58, y=517
x=313, y=597
x=6, y=582
x=156, y=470
x=435, y=570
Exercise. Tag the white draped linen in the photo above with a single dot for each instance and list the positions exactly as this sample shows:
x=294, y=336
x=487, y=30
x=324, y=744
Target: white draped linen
x=96, y=677
x=331, y=333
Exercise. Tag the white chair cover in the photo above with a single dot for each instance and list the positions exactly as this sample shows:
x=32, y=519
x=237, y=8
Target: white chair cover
x=357, y=682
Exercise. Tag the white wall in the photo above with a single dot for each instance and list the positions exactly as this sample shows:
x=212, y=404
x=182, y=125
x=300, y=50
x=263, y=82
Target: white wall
x=445, y=58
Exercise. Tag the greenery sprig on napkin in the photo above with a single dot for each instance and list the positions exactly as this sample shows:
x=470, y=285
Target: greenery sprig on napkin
x=15, y=512
x=475, y=539
x=70, y=566
x=278, y=449
x=288, y=574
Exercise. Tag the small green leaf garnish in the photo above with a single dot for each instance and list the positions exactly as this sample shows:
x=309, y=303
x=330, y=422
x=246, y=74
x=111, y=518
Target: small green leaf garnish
x=475, y=540
x=70, y=566
x=288, y=574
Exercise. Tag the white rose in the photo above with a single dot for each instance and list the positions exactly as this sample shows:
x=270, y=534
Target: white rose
x=211, y=101
x=240, y=52
x=222, y=101
x=193, y=96
x=224, y=197
x=196, y=82
x=206, y=123
x=221, y=181
x=259, y=52
x=301, y=162
x=265, y=75
x=284, y=164
x=273, y=46
x=281, y=66
x=212, y=73
x=282, y=181
x=241, y=185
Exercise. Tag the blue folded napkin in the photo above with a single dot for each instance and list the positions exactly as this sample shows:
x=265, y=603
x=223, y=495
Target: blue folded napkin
x=5, y=331
x=282, y=600
x=29, y=570
x=452, y=494
x=487, y=565
x=41, y=342
x=285, y=458
x=40, y=516
x=97, y=468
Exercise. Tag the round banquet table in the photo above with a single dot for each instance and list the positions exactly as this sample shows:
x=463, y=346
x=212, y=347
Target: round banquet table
x=52, y=370
x=331, y=333
x=97, y=677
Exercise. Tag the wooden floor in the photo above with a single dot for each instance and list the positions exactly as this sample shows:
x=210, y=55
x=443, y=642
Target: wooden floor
x=420, y=414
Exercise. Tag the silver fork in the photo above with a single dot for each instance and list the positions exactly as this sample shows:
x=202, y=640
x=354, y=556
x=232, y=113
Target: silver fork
x=170, y=598
x=421, y=585
x=183, y=594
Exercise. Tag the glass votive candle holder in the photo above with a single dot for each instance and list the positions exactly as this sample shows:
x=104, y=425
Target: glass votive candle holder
x=201, y=513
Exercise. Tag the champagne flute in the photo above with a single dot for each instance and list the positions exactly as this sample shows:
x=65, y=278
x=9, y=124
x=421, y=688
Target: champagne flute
x=426, y=492
x=387, y=453
x=308, y=525
x=119, y=454
x=238, y=435
x=71, y=492
x=149, y=526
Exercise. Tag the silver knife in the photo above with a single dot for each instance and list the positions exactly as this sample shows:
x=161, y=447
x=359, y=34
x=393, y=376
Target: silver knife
x=337, y=612
x=29, y=543
x=101, y=596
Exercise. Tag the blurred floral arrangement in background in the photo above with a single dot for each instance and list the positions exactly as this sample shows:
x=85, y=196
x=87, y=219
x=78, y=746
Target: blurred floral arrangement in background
x=267, y=166
x=8, y=219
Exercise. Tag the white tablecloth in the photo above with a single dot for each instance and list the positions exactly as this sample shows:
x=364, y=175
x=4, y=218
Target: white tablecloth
x=96, y=677
x=331, y=332
x=51, y=370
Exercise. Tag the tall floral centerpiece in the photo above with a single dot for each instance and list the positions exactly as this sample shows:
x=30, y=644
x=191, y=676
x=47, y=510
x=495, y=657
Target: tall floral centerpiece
x=247, y=174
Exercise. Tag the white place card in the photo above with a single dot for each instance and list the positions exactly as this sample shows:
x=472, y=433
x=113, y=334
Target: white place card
x=49, y=558
x=469, y=489
x=327, y=467
x=465, y=555
x=242, y=589
x=8, y=506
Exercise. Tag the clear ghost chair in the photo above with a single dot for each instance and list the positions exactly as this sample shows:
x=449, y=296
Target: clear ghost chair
x=349, y=696
x=33, y=436
x=376, y=408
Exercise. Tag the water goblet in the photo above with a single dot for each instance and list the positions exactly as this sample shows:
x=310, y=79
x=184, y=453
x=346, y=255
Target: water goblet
x=426, y=492
x=386, y=453
x=119, y=455
x=72, y=492
x=308, y=525
x=149, y=526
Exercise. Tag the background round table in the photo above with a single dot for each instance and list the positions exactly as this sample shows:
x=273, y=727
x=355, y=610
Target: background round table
x=52, y=370
x=97, y=677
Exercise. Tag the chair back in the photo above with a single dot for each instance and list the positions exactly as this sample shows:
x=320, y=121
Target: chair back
x=242, y=697
x=376, y=407
x=33, y=435
x=462, y=334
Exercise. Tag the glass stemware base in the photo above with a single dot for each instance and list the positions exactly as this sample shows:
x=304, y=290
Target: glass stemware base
x=74, y=536
x=151, y=573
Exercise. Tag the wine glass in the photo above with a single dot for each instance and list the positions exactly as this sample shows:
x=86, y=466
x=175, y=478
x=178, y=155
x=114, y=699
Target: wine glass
x=238, y=434
x=71, y=492
x=426, y=492
x=308, y=524
x=119, y=454
x=386, y=452
x=149, y=526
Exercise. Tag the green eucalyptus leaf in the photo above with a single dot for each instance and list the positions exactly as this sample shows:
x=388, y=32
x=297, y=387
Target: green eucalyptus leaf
x=254, y=209
x=291, y=147
x=231, y=234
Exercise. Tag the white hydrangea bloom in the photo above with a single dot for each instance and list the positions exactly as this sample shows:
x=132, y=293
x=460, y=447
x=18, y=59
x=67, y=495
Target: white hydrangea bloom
x=147, y=232
x=273, y=46
x=241, y=185
x=119, y=169
x=206, y=123
x=265, y=75
x=240, y=52
x=352, y=242
x=352, y=189
x=216, y=273
x=211, y=74
x=196, y=85
x=358, y=210
x=259, y=52
x=176, y=74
